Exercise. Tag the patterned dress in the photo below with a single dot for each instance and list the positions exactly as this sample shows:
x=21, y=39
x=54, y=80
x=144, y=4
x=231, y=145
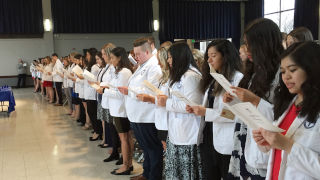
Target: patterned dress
x=183, y=162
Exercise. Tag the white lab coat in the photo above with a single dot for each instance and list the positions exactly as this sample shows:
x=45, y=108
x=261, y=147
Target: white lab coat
x=70, y=82
x=47, y=69
x=303, y=162
x=58, y=66
x=90, y=92
x=223, y=128
x=107, y=77
x=183, y=127
x=254, y=157
x=115, y=98
x=137, y=111
x=161, y=114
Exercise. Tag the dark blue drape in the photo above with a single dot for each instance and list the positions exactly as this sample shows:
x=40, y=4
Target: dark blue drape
x=183, y=19
x=307, y=14
x=21, y=17
x=253, y=9
x=102, y=16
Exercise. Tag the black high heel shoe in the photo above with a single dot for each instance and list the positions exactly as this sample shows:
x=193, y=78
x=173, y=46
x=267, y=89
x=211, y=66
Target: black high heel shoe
x=98, y=138
x=130, y=168
x=126, y=172
x=112, y=157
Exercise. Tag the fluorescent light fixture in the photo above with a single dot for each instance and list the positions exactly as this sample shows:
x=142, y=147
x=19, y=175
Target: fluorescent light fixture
x=156, y=25
x=47, y=25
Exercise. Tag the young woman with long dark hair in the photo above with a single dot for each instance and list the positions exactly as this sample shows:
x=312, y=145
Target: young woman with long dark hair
x=263, y=41
x=183, y=159
x=295, y=152
x=218, y=122
x=121, y=75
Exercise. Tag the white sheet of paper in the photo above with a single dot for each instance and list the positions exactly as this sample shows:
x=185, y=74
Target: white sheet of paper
x=104, y=84
x=89, y=76
x=131, y=59
x=183, y=98
x=223, y=82
x=152, y=88
x=252, y=117
x=77, y=69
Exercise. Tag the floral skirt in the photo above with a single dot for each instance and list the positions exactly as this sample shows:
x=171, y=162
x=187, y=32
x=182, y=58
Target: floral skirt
x=183, y=162
x=103, y=114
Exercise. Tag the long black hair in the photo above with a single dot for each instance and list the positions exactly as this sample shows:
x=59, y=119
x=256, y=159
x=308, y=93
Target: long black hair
x=103, y=63
x=182, y=58
x=124, y=62
x=305, y=55
x=231, y=63
x=92, y=60
x=264, y=41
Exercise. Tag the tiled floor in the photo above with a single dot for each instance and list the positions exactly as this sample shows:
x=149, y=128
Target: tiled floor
x=39, y=142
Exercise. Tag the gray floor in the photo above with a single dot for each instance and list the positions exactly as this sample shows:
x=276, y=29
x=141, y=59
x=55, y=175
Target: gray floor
x=39, y=142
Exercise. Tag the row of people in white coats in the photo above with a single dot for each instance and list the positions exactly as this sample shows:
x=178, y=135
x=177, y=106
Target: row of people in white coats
x=282, y=85
x=48, y=74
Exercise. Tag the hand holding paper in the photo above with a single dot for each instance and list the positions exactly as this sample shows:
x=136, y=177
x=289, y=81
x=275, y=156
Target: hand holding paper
x=162, y=100
x=77, y=69
x=246, y=95
x=252, y=117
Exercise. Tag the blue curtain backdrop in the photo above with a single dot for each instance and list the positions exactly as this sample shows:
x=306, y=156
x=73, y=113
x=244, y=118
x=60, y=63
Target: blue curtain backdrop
x=253, y=9
x=307, y=14
x=183, y=19
x=21, y=17
x=102, y=16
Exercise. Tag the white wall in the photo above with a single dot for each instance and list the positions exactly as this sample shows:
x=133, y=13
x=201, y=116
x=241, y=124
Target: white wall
x=64, y=44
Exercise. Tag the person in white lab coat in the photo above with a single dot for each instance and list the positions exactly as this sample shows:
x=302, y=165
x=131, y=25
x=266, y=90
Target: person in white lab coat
x=295, y=153
x=141, y=114
x=57, y=79
x=218, y=122
x=121, y=75
x=47, y=79
x=90, y=95
x=183, y=159
x=161, y=114
x=257, y=87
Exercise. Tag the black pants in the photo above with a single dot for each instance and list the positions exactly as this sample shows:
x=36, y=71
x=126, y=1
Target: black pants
x=207, y=153
x=215, y=165
x=223, y=162
x=82, y=112
x=92, y=112
x=59, y=91
x=107, y=133
x=21, y=80
x=146, y=135
x=115, y=139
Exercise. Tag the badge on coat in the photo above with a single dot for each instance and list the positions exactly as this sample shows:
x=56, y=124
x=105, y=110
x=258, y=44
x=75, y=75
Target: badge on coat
x=227, y=114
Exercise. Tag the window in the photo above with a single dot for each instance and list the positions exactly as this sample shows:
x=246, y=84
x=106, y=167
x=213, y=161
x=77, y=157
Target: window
x=281, y=12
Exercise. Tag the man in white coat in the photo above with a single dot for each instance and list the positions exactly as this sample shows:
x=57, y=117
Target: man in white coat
x=141, y=114
x=57, y=78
